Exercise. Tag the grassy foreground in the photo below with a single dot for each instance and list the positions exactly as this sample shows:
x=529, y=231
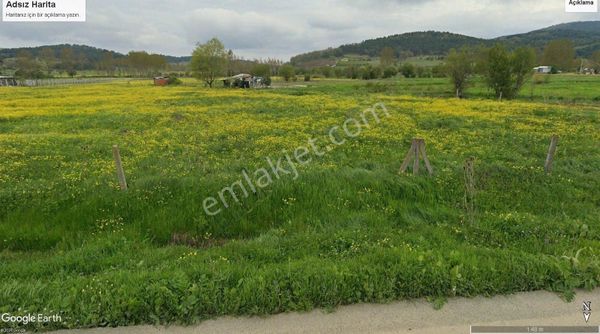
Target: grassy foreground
x=347, y=229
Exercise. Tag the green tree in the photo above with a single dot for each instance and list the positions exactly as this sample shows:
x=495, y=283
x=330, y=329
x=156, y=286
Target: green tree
x=261, y=70
x=145, y=64
x=264, y=71
x=506, y=72
x=559, y=54
x=595, y=61
x=209, y=61
x=352, y=72
x=387, y=57
x=497, y=71
x=522, y=62
x=287, y=72
x=67, y=60
x=27, y=66
x=49, y=59
x=106, y=63
x=369, y=72
x=326, y=71
x=459, y=67
x=408, y=70
x=389, y=72
x=375, y=72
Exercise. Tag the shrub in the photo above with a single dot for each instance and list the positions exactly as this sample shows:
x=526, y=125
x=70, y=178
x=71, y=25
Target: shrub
x=287, y=72
x=389, y=72
x=408, y=70
x=173, y=80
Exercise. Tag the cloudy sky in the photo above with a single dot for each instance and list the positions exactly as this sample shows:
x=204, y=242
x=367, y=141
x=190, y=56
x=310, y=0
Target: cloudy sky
x=274, y=28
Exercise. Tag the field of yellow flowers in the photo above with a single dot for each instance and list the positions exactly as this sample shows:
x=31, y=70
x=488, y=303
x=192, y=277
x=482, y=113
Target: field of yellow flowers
x=349, y=228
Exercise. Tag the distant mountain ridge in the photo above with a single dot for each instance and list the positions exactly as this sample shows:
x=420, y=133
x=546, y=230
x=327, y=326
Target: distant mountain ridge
x=91, y=53
x=585, y=36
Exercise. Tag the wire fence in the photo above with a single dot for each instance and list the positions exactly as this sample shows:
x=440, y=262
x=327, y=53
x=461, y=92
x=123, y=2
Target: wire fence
x=70, y=81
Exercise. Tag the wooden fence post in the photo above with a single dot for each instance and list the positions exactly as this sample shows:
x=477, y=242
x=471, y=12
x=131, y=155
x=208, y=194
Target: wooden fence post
x=424, y=155
x=415, y=146
x=119, y=165
x=416, y=152
x=409, y=156
x=550, y=156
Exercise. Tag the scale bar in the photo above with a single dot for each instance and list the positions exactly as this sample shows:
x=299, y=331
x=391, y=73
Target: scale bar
x=534, y=329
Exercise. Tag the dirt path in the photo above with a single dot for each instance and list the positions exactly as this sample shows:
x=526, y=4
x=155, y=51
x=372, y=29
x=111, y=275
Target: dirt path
x=415, y=317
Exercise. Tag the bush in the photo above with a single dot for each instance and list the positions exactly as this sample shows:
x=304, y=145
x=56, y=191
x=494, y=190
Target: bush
x=389, y=72
x=261, y=70
x=438, y=71
x=506, y=71
x=287, y=72
x=173, y=80
x=408, y=70
x=307, y=77
x=423, y=72
x=369, y=72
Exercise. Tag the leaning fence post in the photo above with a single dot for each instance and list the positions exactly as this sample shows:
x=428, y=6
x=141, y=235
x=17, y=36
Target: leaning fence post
x=415, y=146
x=409, y=156
x=119, y=165
x=550, y=156
x=424, y=155
x=416, y=152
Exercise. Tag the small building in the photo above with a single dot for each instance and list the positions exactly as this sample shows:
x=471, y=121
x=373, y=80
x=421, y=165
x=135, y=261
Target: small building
x=7, y=81
x=543, y=69
x=587, y=70
x=244, y=80
x=241, y=80
x=161, y=81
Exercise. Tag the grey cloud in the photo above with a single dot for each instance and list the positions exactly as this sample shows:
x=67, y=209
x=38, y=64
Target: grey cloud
x=266, y=28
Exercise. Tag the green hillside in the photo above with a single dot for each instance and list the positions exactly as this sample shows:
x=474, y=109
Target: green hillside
x=91, y=53
x=585, y=36
x=419, y=43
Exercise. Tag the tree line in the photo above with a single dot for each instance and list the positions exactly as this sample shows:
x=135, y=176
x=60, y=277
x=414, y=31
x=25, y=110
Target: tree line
x=49, y=63
x=211, y=61
x=505, y=71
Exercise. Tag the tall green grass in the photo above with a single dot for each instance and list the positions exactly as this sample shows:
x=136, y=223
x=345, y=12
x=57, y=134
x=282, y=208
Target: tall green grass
x=349, y=229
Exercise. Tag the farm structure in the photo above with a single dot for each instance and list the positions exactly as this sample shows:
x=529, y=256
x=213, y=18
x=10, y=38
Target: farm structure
x=244, y=80
x=543, y=69
x=7, y=81
x=161, y=81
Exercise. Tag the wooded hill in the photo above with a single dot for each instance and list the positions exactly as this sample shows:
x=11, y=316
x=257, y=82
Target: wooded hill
x=92, y=55
x=585, y=36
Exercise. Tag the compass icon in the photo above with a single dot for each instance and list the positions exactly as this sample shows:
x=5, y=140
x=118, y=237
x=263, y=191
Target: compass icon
x=587, y=310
